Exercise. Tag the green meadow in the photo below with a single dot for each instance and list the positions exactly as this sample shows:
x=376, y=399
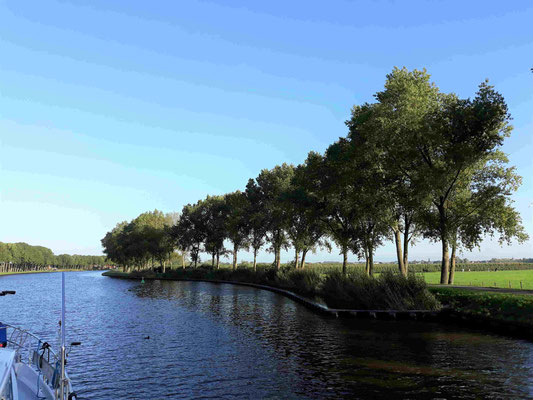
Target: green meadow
x=502, y=279
x=482, y=274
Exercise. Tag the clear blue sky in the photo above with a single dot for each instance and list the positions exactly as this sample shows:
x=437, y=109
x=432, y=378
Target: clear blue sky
x=109, y=109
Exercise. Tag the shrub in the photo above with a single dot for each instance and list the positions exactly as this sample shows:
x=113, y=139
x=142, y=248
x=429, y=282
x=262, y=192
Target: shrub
x=245, y=264
x=389, y=291
x=339, y=291
x=306, y=283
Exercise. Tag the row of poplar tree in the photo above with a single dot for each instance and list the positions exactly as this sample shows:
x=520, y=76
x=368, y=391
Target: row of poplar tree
x=416, y=163
x=17, y=257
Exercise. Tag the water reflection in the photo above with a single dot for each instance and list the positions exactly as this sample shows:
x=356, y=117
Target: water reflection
x=347, y=357
x=218, y=340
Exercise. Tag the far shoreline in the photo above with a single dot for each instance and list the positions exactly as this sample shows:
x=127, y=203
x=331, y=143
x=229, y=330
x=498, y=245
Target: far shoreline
x=44, y=272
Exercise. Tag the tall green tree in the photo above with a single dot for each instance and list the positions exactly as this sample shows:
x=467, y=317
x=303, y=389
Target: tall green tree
x=191, y=230
x=390, y=128
x=113, y=244
x=479, y=206
x=257, y=219
x=435, y=142
x=237, y=222
x=152, y=231
x=330, y=187
x=215, y=224
x=269, y=186
x=465, y=135
x=305, y=229
x=364, y=194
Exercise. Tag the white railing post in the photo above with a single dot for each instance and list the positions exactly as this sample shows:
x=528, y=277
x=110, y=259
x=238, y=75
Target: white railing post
x=62, y=390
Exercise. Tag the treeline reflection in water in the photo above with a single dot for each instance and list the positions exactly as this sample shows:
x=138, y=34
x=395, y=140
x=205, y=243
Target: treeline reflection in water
x=226, y=341
x=359, y=358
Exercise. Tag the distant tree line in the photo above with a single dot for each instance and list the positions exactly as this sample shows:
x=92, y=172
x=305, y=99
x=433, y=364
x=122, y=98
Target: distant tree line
x=19, y=257
x=416, y=163
x=510, y=260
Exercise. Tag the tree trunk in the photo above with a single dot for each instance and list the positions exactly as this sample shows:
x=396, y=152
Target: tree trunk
x=255, y=260
x=278, y=257
x=218, y=259
x=212, y=259
x=371, y=261
x=406, y=249
x=234, y=257
x=302, y=263
x=344, y=260
x=296, y=257
x=452, y=265
x=366, y=262
x=399, y=255
x=445, y=265
x=183, y=259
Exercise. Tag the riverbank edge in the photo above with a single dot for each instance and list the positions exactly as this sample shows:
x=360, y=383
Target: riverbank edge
x=309, y=303
x=447, y=315
x=42, y=272
x=474, y=309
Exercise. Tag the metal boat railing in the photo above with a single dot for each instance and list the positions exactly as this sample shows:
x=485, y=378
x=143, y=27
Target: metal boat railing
x=38, y=354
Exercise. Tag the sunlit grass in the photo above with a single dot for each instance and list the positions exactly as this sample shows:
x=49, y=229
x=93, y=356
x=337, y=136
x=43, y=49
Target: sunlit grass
x=506, y=307
x=502, y=279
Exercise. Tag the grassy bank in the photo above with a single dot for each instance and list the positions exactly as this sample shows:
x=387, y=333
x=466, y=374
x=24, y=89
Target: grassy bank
x=388, y=291
x=506, y=313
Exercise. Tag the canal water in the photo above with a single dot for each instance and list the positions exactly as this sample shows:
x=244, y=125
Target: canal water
x=231, y=342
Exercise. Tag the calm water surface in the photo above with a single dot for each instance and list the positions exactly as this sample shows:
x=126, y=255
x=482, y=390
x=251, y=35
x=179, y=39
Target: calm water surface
x=224, y=341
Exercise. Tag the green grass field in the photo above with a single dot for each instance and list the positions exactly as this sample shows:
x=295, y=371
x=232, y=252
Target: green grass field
x=508, y=273
x=500, y=279
x=483, y=278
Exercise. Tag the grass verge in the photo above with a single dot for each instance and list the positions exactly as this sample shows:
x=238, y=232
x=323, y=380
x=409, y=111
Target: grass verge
x=493, y=308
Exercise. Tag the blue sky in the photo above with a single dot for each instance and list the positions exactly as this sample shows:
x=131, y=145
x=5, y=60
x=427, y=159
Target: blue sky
x=110, y=109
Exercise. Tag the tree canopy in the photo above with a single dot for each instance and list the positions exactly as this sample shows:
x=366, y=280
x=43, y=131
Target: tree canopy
x=416, y=162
